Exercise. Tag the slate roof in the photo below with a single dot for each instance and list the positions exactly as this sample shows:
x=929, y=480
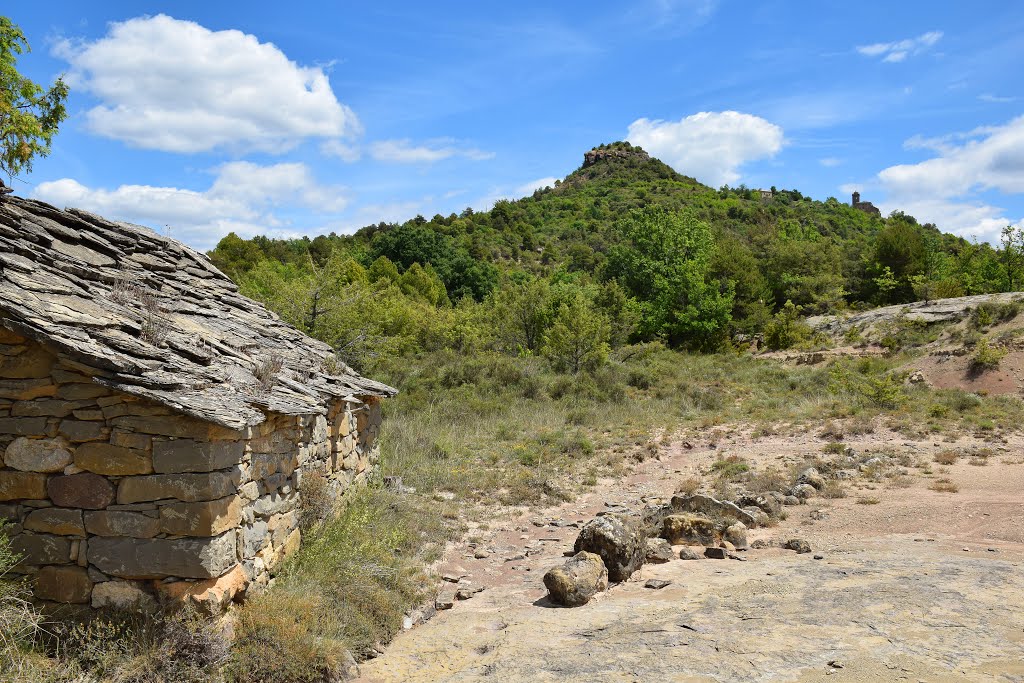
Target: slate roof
x=157, y=319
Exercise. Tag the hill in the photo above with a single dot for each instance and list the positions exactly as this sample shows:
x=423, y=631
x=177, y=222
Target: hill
x=766, y=248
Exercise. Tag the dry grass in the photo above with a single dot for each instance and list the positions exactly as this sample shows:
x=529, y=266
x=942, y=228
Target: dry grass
x=946, y=457
x=944, y=486
x=868, y=501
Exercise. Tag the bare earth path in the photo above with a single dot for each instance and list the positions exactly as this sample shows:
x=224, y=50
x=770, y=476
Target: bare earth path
x=922, y=586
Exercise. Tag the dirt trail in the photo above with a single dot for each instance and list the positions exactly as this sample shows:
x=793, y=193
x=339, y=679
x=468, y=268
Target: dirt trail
x=920, y=586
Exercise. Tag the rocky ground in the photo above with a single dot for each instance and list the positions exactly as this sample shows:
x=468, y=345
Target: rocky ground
x=904, y=582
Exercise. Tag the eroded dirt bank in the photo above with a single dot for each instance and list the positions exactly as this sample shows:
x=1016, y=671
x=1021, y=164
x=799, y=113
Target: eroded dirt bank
x=915, y=585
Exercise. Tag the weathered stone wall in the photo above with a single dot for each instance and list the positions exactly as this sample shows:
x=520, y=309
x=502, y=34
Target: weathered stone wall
x=114, y=500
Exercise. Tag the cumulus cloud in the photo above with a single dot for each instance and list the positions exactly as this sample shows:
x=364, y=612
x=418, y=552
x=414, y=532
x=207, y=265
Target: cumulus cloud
x=940, y=189
x=989, y=158
x=243, y=198
x=404, y=151
x=901, y=49
x=710, y=146
x=176, y=86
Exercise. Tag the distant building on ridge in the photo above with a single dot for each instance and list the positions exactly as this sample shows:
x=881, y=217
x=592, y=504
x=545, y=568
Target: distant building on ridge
x=866, y=207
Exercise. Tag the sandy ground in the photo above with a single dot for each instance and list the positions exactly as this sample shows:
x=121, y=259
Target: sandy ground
x=920, y=586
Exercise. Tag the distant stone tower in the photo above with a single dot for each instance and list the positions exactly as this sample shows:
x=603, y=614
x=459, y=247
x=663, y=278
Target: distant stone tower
x=856, y=199
x=866, y=207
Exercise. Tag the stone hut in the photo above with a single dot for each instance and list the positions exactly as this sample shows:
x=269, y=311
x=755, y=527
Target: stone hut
x=161, y=435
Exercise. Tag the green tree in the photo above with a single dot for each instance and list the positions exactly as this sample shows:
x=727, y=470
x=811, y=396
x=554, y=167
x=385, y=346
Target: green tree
x=665, y=264
x=522, y=312
x=29, y=113
x=578, y=337
x=1011, y=240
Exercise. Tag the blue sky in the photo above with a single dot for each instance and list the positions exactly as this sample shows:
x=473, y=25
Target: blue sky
x=302, y=118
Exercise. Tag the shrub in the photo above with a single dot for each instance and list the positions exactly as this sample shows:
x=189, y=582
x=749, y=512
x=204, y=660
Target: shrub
x=944, y=486
x=985, y=357
x=786, y=330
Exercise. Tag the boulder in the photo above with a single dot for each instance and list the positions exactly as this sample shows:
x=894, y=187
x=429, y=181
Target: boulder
x=716, y=553
x=617, y=540
x=791, y=500
x=737, y=535
x=37, y=455
x=764, y=502
x=813, y=477
x=659, y=551
x=803, y=491
x=689, y=528
x=86, y=490
x=578, y=580
x=798, y=544
x=712, y=507
x=689, y=554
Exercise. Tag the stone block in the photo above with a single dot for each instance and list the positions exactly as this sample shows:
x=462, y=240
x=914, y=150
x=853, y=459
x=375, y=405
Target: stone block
x=88, y=414
x=134, y=558
x=36, y=549
x=44, y=408
x=78, y=392
x=188, y=455
x=33, y=363
x=189, y=488
x=22, y=485
x=87, y=491
x=208, y=518
x=291, y=544
x=121, y=523
x=10, y=513
x=27, y=389
x=210, y=596
x=136, y=408
x=124, y=595
x=273, y=504
x=60, y=521
x=79, y=431
x=178, y=426
x=23, y=426
x=140, y=442
x=63, y=584
x=38, y=455
x=254, y=538
x=108, y=459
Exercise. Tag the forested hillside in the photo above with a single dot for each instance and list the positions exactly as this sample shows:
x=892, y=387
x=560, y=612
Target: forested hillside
x=623, y=250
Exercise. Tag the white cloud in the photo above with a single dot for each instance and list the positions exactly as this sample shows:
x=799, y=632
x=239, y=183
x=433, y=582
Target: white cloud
x=534, y=185
x=830, y=162
x=340, y=150
x=242, y=198
x=996, y=99
x=177, y=86
x=710, y=146
x=405, y=152
x=988, y=158
x=901, y=49
x=941, y=190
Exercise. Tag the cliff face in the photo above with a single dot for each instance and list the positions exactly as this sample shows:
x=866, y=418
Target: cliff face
x=596, y=155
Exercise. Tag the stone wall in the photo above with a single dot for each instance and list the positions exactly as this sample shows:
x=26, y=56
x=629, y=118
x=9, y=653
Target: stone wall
x=115, y=500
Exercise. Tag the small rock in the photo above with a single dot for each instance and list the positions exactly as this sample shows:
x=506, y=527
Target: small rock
x=761, y=544
x=452, y=577
x=812, y=477
x=836, y=664
x=689, y=554
x=657, y=584
x=715, y=553
x=728, y=547
x=444, y=602
x=799, y=545
x=790, y=500
x=803, y=491
x=659, y=551
x=481, y=554
x=819, y=557
x=818, y=515
x=467, y=593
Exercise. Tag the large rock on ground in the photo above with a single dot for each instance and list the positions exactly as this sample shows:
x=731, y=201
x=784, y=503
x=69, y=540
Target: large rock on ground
x=737, y=535
x=617, y=540
x=689, y=528
x=578, y=580
x=712, y=507
x=813, y=477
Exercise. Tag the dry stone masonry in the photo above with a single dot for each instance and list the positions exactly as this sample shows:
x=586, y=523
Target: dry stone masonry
x=161, y=436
